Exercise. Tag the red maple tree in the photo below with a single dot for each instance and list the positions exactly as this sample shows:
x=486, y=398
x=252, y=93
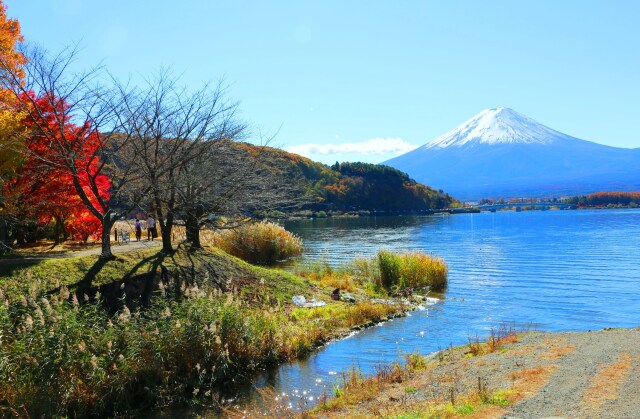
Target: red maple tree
x=46, y=183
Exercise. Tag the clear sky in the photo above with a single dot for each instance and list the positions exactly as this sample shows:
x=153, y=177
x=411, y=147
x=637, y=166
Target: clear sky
x=367, y=80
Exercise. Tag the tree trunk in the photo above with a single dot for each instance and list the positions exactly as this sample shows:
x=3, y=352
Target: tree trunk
x=21, y=239
x=5, y=244
x=166, y=239
x=165, y=229
x=192, y=226
x=106, y=237
x=166, y=224
x=59, y=230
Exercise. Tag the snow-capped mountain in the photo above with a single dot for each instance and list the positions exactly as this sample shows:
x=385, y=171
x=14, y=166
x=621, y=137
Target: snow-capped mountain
x=502, y=153
x=497, y=126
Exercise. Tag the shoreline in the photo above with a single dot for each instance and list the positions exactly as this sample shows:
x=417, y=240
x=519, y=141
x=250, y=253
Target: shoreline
x=530, y=374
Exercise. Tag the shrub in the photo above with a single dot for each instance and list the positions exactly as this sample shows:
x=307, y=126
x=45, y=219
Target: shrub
x=262, y=243
x=415, y=362
x=276, y=214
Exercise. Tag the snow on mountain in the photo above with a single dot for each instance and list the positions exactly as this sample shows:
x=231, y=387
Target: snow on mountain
x=502, y=153
x=497, y=126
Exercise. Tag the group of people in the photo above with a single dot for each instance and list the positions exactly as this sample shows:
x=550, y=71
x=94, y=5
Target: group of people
x=151, y=229
x=152, y=233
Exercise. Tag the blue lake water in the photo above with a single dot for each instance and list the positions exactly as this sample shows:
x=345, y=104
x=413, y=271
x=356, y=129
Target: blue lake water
x=548, y=270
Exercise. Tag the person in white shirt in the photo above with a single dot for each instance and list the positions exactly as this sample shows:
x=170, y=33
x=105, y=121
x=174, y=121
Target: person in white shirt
x=151, y=228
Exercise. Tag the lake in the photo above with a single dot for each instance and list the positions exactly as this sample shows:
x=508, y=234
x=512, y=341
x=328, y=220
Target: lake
x=546, y=270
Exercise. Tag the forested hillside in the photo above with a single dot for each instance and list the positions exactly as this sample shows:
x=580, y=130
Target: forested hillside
x=352, y=186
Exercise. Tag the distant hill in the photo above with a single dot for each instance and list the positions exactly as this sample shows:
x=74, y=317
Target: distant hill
x=352, y=186
x=502, y=153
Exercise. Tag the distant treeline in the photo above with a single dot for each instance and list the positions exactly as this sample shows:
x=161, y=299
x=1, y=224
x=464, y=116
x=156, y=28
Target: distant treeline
x=354, y=186
x=606, y=198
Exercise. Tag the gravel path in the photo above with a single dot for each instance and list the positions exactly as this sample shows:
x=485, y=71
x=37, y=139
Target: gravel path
x=600, y=378
x=593, y=374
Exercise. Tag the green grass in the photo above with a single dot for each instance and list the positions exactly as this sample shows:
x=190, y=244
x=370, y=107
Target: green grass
x=465, y=409
x=500, y=398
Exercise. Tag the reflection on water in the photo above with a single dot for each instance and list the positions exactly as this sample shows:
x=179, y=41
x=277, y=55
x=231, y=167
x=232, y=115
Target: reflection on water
x=553, y=270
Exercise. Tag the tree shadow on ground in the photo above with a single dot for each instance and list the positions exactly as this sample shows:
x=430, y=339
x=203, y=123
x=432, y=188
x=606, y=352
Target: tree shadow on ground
x=8, y=266
x=134, y=288
x=166, y=274
x=200, y=269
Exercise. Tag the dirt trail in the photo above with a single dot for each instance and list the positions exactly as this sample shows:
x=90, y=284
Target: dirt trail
x=121, y=247
x=116, y=248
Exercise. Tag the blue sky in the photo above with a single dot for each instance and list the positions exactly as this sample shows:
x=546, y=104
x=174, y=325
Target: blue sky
x=366, y=80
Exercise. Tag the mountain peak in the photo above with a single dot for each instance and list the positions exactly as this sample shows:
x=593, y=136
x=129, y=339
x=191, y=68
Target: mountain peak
x=502, y=153
x=497, y=126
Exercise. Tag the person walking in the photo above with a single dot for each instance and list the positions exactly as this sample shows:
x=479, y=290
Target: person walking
x=151, y=228
x=138, y=227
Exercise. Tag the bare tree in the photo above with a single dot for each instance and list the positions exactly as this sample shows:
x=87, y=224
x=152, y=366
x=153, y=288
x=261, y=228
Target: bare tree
x=173, y=129
x=77, y=100
x=187, y=143
x=234, y=180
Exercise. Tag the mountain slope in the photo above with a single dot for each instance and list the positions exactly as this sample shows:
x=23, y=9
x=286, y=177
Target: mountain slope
x=501, y=153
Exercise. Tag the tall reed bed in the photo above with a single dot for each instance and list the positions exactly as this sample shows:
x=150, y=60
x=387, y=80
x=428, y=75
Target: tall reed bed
x=387, y=272
x=261, y=243
x=411, y=269
x=65, y=356
x=60, y=357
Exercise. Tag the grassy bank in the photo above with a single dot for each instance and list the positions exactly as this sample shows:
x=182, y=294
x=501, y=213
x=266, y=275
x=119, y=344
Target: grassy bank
x=79, y=336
